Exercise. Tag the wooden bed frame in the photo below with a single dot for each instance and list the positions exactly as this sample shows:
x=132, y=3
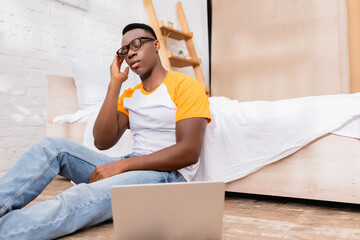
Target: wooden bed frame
x=327, y=169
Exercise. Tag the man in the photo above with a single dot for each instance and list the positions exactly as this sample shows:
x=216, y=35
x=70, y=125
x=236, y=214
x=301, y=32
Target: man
x=167, y=114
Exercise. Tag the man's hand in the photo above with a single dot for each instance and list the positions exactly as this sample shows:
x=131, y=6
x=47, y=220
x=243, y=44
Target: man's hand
x=116, y=74
x=105, y=171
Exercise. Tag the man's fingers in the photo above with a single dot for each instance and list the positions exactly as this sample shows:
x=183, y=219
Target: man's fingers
x=93, y=179
x=126, y=71
x=93, y=176
x=117, y=61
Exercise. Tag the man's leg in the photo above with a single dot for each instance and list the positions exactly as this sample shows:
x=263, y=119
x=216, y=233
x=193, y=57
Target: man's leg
x=80, y=206
x=36, y=168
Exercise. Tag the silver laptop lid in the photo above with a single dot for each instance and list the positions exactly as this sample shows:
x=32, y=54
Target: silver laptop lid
x=168, y=210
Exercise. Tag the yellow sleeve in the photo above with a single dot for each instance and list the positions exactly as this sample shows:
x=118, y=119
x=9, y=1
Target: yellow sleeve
x=120, y=107
x=191, y=100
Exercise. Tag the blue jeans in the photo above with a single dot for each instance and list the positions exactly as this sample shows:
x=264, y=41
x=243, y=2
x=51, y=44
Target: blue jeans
x=81, y=206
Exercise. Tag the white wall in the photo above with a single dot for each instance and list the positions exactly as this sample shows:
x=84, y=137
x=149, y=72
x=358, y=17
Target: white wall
x=38, y=37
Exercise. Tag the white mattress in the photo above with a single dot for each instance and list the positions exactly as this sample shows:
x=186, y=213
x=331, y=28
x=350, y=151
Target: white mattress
x=245, y=136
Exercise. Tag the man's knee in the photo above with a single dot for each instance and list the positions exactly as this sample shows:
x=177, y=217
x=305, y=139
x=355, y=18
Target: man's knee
x=53, y=143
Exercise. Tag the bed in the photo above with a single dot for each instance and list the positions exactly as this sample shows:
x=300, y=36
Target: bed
x=326, y=169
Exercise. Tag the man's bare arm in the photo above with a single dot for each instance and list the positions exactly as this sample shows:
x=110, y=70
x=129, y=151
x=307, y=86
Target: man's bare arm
x=111, y=124
x=189, y=140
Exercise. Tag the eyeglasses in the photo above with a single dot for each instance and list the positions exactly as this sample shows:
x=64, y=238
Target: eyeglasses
x=134, y=45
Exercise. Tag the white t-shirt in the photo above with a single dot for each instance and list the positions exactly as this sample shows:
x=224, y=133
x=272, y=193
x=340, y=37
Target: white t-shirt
x=153, y=115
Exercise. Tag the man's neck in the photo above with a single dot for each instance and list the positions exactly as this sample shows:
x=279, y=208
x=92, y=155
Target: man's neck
x=154, y=78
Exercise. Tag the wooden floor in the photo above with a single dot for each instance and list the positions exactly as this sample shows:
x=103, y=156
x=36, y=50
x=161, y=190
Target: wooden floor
x=257, y=217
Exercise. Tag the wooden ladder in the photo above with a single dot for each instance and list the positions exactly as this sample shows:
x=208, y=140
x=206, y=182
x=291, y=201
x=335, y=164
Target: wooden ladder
x=167, y=58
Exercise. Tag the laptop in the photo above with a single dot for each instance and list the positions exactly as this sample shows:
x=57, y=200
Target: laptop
x=191, y=210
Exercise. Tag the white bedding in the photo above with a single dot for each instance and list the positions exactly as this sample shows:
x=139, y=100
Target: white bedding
x=245, y=136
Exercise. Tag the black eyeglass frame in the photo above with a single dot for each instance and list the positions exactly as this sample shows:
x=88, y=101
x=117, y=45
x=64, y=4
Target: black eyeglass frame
x=118, y=52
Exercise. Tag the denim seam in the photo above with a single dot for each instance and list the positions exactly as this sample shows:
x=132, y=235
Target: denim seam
x=107, y=197
x=2, y=209
x=70, y=153
x=26, y=186
x=75, y=155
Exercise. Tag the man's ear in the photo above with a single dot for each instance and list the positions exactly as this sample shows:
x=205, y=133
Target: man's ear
x=157, y=45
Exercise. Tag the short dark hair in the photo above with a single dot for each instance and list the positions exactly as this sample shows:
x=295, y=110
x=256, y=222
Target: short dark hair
x=132, y=26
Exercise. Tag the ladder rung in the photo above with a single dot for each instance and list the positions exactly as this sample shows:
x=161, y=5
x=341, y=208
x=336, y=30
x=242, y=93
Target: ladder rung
x=182, y=62
x=173, y=33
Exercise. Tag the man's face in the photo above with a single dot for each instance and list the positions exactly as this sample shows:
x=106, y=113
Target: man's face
x=142, y=60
